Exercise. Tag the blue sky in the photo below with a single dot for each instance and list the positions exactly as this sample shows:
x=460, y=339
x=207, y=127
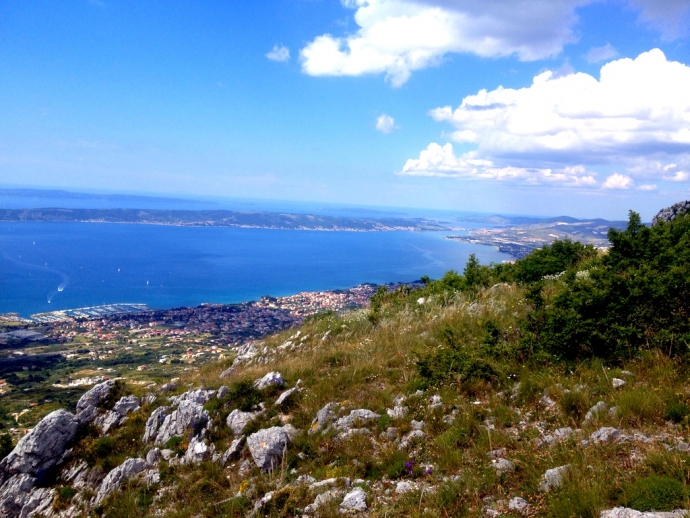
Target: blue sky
x=374, y=102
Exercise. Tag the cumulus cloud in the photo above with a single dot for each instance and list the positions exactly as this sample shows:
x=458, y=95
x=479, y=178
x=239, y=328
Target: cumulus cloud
x=636, y=116
x=599, y=54
x=678, y=176
x=398, y=37
x=279, y=53
x=385, y=124
x=647, y=187
x=618, y=181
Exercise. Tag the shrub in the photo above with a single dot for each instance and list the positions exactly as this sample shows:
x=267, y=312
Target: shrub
x=243, y=395
x=676, y=411
x=574, y=404
x=655, y=493
x=5, y=445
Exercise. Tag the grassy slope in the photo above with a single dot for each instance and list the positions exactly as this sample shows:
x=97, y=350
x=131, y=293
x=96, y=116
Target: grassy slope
x=362, y=365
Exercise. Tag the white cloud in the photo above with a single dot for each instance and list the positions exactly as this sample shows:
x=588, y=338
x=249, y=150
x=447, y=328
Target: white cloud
x=618, y=181
x=397, y=37
x=678, y=176
x=647, y=187
x=599, y=54
x=636, y=116
x=385, y=124
x=279, y=53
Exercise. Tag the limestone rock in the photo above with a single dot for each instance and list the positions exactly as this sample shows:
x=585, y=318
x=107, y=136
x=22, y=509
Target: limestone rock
x=617, y=382
x=267, y=447
x=117, y=415
x=222, y=392
x=272, y=379
x=154, y=422
x=323, y=498
x=117, y=476
x=404, y=487
x=324, y=417
x=360, y=416
x=597, y=409
x=520, y=505
x=153, y=456
x=397, y=412
x=553, y=478
x=286, y=395
x=43, y=447
x=94, y=397
x=355, y=500
x=623, y=512
x=670, y=213
x=502, y=466
x=233, y=451
x=238, y=420
x=197, y=451
x=551, y=439
x=198, y=396
x=189, y=414
x=605, y=434
x=227, y=372
x=414, y=435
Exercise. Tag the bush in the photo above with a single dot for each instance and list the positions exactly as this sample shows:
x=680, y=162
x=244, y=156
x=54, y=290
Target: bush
x=6, y=445
x=655, y=493
x=676, y=411
x=574, y=404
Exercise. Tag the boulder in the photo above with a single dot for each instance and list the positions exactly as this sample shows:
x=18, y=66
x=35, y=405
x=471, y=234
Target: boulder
x=355, y=500
x=117, y=415
x=14, y=494
x=189, y=414
x=197, y=451
x=272, y=379
x=502, y=465
x=153, y=456
x=154, y=422
x=238, y=420
x=519, y=505
x=43, y=447
x=267, y=447
x=324, y=417
x=617, y=383
x=233, y=451
x=623, y=512
x=286, y=395
x=94, y=397
x=198, y=396
x=605, y=434
x=222, y=392
x=360, y=416
x=117, y=476
x=553, y=478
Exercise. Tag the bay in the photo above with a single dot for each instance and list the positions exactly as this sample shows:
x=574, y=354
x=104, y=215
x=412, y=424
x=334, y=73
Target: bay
x=51, y=266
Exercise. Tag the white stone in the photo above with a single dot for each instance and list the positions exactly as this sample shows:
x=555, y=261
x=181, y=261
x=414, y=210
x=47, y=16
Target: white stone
x=355, y=500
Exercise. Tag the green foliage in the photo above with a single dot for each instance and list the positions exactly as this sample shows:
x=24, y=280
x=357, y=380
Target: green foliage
x=676, y=411
x=6, y=445
x=574, y=404
x=561, y=256
x=63, y=497
x=635, y=297
x=243, y=395
x=655, y=493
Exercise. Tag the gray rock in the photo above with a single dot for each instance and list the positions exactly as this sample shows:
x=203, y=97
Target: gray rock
x=154, y=422
x=197, y=451
x=322, y=499
x=233, y=451
x=148, y=398
x=117, y=415
x=670, y=213
x=117, y=476
x=238, y=420
x=397, y=412
x=189, y=414
x=198, y=396
x=245, y=468
x=324, y=417
x=391, y=433
x=435, y=402
x=222, y=392
x=502, y=466
x=109, y=420
x=404, y=487
x=75, y=476
x=520, y=505
x=291, y=432
x=498, y=453
x=553, y=478
x=286, y=395
x=605, y=434
x=151, y=476
x=95, y=396
x=416, y=425
x=14, y=494
x=272, y=379
x=126, y=405
x=267, y=447
x=551, y=439
x=355, y=500
x=153, y=456
x=414, y=435
x=305, y=479
x=598, y=409
x=39, y=502
x=167, y=454
x=43, y=447
x=360, y=416
x=617, y=383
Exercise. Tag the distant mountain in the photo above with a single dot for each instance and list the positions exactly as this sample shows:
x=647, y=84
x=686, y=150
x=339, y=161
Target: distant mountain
x=69, y=195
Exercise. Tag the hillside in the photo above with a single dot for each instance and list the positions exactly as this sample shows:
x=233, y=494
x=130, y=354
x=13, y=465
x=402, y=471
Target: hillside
x=556, y=386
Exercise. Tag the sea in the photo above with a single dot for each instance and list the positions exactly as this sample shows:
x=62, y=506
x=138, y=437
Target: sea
x=46, y=266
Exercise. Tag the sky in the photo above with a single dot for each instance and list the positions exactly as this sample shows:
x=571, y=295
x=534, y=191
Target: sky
x=541, y=107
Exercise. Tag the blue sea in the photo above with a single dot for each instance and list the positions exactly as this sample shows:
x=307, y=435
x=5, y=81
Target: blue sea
x=51, y=266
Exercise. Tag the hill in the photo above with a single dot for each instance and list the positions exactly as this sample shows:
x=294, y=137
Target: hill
x=554, y=386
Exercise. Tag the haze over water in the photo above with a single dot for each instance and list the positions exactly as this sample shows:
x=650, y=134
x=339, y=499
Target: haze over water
x=165, y=266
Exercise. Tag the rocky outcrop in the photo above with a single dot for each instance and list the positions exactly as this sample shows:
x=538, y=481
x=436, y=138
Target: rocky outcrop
x=238, y=420
x=267, y=447
x=623, y=512
x=87, y=406
x=272, y=379
x=671, y=213
x=189, y=415
x=198, y=451
x=324, y=417
x=43, y=447
x=118, y=415
x=117, y=476
x=154, y=422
